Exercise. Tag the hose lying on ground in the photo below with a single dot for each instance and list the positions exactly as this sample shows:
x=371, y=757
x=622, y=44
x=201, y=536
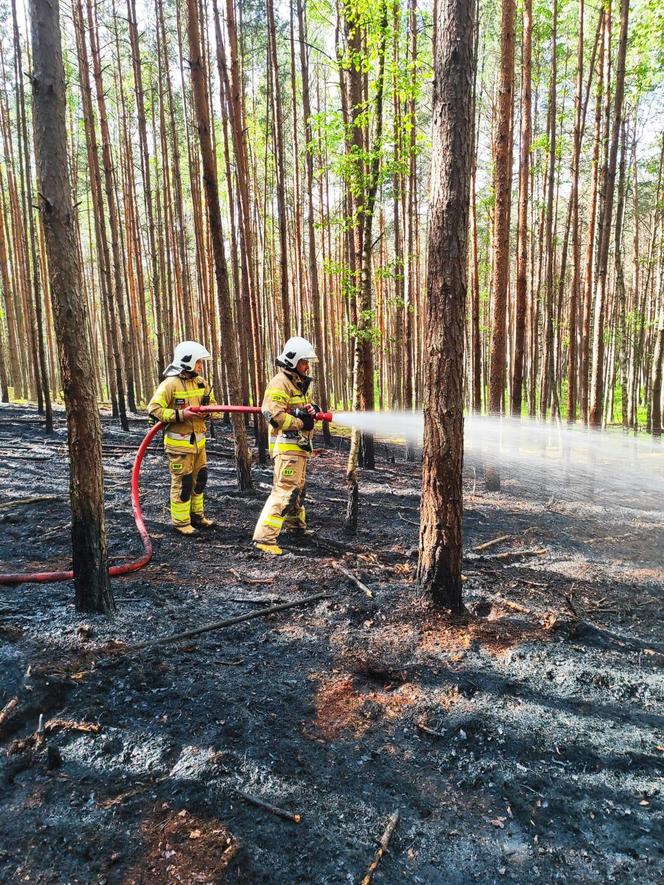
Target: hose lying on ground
x=135, y=564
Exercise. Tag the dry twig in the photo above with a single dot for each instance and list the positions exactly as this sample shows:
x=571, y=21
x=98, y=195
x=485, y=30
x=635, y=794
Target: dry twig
x=227, y=622
x=491, y=543
x=383, y=847
x=427, y=730
x=19, y=502
x=7, y=710
x=354, y=579
x=266, y=806
x=510, y=554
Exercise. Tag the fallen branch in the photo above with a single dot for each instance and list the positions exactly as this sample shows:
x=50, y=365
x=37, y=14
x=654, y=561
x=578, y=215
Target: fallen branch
x=53, y=725
x=515, y=606
x=515, y=554
x=71, y=725
x=354, y=579
x=427, y=730
x=570, y=605
x=19, y=502
x=129, y=794
x=266, y=806
x=383, y=847
x=227, y=622
x=409, y=521
x=491, y=543
x=257, y=599
x=7, y=710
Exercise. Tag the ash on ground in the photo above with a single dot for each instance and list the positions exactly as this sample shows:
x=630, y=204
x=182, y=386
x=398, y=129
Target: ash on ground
x=521, y=742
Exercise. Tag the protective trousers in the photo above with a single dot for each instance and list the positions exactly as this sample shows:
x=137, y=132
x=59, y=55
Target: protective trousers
x=188, y=478
x=285, y=506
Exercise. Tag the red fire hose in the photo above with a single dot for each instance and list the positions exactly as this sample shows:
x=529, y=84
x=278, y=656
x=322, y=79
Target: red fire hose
x=134, y=565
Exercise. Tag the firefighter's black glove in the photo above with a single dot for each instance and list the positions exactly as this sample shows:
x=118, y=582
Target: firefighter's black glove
x=307, y=420
x=314, y=407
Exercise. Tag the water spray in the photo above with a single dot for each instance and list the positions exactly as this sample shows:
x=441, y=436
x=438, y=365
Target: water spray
x=571, y=462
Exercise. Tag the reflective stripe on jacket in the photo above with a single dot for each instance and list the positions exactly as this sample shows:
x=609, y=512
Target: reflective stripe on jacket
x=168, y=401
x=283, y=395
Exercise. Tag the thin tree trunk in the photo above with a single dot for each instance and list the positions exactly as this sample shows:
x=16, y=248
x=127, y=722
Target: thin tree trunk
x=35, y=289
x=321, y=379
x=522, y=223
x=89, y=548
x=597, y=391
x=280, y=171
x=501, y=230
x=109, y=184
x=200, y=96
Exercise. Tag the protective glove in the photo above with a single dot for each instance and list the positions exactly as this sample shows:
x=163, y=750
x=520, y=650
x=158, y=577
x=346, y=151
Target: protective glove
x=313, y=408
x=305, y=417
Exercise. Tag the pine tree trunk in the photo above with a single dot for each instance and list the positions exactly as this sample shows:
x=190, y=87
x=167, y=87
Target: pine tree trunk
x=546, y=386
x=280, y=172
x=522, y=223
x=89, y=549
x=597, y=389
x=202, y=109
x=441, y=509
x=588, y=280
x=321, y=378
x=501, y=229
x=117, y=276
x=34, y=291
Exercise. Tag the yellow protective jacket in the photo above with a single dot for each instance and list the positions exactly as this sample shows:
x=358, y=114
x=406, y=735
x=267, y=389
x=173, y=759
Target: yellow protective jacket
x=283, y=395
x=173, y=395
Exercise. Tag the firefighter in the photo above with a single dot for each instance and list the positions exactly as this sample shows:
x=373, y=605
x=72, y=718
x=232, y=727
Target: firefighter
x=184, y=434
x=290, y=415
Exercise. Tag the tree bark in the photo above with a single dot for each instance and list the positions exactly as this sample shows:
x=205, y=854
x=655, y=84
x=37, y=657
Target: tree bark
x=522, y=223
x=89, y=549
x=501, y=228
x=441, y=510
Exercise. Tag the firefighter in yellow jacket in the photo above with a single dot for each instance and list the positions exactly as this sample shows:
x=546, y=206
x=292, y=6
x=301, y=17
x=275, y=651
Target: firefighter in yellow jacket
x=290, y=415
x=184, y=434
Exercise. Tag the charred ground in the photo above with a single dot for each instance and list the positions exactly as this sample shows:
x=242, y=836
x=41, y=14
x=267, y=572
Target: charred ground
x=522, y=742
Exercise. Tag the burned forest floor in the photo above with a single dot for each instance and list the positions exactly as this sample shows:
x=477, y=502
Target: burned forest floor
x=521, y=742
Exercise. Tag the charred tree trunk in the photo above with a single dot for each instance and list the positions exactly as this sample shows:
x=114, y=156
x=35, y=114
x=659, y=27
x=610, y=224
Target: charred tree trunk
x=441, y=509
x=363, y=393
x=91, y=581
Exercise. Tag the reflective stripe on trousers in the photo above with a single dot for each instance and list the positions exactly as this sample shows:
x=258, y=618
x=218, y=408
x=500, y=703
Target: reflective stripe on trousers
x=285, y=505
x=188, y=479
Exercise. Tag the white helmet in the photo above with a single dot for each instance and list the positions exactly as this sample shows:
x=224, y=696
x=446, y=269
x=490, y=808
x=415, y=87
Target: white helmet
x=296, y=349
x=186, y=355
